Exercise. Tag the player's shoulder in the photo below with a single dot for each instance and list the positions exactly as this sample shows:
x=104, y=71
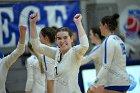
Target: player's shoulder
x=113, y=38
x=32, y=59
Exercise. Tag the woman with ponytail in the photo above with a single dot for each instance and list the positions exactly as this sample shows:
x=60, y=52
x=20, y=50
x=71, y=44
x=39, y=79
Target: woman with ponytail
x=35, y=72
x=67, y=57
x=112, y=75
x=47, y=37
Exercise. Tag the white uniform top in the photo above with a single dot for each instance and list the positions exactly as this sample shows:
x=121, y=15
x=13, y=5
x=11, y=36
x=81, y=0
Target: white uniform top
x=113, y=54
x=6, y=62
x=35, y=79
x=97, y=61
x=49, y=64
x=67, y=70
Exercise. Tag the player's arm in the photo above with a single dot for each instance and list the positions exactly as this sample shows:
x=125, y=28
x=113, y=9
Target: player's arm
x=83, y=47
x=50, y=86
x=11, y=58
x=93, y=55
x=41, y=48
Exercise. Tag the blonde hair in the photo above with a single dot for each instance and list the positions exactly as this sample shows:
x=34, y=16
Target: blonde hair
x=38, y=57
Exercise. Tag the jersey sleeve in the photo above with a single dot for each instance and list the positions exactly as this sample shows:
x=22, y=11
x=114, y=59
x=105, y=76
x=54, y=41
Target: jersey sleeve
x=109, y=47
x=81, y=49
x=11, y=58
x=93, y=55
x=51, y=71
x=50, y=64
x=42, y=48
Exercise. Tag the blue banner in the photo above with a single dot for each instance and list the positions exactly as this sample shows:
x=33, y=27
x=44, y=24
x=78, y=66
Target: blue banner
x=50, y=14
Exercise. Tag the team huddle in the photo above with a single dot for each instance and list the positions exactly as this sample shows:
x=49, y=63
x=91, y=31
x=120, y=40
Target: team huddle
x=54, y=63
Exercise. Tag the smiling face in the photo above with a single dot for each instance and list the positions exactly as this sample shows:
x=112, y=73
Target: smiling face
x=64, y=41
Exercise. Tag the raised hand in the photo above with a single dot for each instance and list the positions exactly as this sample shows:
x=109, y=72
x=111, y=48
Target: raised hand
x=22, y=30
x=77, y=18
x=33, y=18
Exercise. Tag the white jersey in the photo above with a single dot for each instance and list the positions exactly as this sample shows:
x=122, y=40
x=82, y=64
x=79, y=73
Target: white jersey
x=67, y=70
x=49, y=64
x=97, y=61
x=35, y=79
x=49, y=68
x=6, y=62
x=113, y=70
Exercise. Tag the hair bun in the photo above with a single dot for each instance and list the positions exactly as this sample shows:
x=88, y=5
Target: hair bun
x=115, y=16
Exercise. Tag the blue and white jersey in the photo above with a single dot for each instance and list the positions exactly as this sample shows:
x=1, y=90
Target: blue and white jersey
x=35, y=79
x=113, y=71
x=96, y=60
x=49, y=64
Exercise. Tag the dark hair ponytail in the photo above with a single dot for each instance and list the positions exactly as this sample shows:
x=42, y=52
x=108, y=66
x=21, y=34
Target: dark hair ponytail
x=111, y=21
x=115, y=16
x=38, y=57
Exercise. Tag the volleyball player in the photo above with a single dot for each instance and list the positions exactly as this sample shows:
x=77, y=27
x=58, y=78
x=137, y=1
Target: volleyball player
x=7, y=61
x=35, y=72
x=96, y=39
x=112, y=75
x=67, y=58
x=47, y=37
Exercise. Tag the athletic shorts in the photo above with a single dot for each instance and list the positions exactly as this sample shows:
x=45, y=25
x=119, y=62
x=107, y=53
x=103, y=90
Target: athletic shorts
x=117, y=88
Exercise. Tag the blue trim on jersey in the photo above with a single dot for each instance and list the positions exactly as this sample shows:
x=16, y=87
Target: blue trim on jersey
x=105, y=53
x=45, y=62
x=95, y=48
x=117, y=88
